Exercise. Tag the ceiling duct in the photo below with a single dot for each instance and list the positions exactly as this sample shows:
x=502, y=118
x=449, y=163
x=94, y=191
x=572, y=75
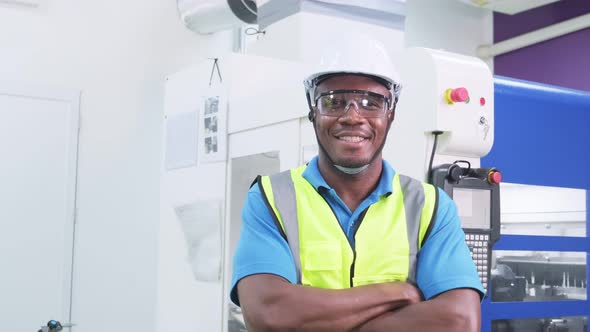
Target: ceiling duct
x=209, y=16
x=390, y=13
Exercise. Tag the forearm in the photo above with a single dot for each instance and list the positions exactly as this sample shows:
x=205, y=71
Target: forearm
x=281, y=306
x=315, y=309
x=457, y=310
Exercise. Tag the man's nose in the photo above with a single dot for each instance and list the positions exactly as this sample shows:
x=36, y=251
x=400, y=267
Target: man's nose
x=354, y=114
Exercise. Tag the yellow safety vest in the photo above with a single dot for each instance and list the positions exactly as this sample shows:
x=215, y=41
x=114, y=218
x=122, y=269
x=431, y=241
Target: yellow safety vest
x=388, y=234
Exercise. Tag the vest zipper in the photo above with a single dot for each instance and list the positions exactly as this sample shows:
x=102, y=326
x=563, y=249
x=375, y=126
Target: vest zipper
x=362, y=215
x=356, y=228
x=339, y=224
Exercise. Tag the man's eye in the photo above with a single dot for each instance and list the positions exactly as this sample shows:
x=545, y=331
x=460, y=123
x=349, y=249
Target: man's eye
x=338, y=102
x=370, y=104
x=330, y=103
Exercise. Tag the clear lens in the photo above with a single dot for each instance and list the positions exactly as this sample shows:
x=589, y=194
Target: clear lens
x=367, y=104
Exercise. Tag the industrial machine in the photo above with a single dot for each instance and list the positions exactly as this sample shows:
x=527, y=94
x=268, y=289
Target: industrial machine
x=539, y=278
x=510, y=283
x=446, y=114
x=478, y=190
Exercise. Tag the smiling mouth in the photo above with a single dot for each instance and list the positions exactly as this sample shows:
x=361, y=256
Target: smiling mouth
x=352, y=139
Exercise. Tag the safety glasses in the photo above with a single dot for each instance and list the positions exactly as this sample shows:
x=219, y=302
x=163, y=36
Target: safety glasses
x=337, y=102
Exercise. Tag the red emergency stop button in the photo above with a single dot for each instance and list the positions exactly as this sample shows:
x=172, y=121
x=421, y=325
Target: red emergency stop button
x=457, y=95
x=494, y=177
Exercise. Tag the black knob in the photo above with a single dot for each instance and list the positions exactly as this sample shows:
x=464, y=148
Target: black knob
x=454, y=173
x=54, y=325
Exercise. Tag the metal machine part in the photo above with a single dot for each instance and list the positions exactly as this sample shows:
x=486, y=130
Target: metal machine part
x=476, y=192
x=564, y=324
x=450, y=96
x=506, y=285
x=545, y=278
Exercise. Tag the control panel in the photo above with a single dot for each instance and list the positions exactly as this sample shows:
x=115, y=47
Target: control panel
x=450, y=93
x=476, y=191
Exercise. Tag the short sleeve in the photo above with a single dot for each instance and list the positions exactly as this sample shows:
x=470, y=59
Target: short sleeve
x=444, y=262
x=261, y=248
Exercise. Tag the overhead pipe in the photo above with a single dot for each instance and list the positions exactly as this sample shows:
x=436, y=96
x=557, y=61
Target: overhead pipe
x=534, y=37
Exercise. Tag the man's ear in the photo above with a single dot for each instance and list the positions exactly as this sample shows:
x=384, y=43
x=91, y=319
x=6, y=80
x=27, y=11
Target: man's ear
x=311, y=114
x=391, y=116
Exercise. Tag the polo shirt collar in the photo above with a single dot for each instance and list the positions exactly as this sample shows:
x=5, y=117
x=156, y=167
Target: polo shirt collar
x=314, y=177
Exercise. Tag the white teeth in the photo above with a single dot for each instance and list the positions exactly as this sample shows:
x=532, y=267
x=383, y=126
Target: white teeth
x=353, y=139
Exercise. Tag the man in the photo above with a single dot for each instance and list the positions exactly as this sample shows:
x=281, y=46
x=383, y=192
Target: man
x=345, y=243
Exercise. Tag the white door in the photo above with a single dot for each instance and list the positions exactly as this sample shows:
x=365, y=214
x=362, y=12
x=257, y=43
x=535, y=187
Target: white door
x=38, y=157
x=259, y=151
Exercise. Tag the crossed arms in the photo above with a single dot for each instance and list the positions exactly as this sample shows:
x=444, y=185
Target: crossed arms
x=270, y=303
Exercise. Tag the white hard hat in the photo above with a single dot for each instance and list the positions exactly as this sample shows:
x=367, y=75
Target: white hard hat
x=357, y=55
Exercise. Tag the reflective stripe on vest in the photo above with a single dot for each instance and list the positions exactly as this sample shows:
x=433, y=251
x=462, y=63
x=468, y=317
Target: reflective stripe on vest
x=387, y=240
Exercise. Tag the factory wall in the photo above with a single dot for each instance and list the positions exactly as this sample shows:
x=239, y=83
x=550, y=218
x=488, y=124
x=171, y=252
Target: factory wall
x=561, y=61
x=117, y=53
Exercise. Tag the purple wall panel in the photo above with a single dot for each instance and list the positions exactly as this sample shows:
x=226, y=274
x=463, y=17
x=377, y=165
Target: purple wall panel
x=563, y=61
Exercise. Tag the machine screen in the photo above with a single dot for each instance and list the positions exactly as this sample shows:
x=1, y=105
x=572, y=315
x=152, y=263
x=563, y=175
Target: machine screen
x=474, y=207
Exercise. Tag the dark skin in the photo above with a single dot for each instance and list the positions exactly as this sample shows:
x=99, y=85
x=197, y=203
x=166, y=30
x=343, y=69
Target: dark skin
x=331, y=133
x=271, y=303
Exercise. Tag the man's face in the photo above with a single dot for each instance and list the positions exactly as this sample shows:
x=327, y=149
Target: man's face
x=352, y=140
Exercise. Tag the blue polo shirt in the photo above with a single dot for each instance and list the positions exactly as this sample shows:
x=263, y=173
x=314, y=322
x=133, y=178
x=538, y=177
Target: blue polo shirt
x=444, y=262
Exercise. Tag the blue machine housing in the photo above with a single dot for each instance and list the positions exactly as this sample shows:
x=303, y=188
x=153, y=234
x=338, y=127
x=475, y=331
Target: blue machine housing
x=542, y=138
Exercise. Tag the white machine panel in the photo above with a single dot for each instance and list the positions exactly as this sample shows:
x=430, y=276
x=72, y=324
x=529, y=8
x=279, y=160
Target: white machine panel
x=451, y=93
x=441, y=92
x=263, y=91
